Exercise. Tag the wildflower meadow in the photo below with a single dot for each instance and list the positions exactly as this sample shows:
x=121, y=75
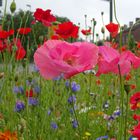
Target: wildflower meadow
x=55, y=85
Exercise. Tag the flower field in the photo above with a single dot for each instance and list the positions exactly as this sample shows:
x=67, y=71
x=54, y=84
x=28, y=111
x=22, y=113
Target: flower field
x=60, y=87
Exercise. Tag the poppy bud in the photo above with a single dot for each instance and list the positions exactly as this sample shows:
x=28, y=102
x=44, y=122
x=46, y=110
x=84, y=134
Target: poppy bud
x=102, y=13
x=95, y=23
x=13, y=6
x=97, y=35
x=103, y=30
x=127, y=88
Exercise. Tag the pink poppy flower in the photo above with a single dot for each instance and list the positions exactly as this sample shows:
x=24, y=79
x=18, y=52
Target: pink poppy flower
x=57, y=57
x=110, y=59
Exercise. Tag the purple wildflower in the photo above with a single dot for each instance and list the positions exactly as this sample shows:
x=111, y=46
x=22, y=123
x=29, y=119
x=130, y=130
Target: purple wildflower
x=54, y=125
x=75, y=87
x=17, y=89
x=37, y=89
x=49, y=112
x=32, y=101
x=133, y=138
x=35, y=68
x=74, y=124
x=19, y=106
x=72, y=99
x=67, y=84
x=61, y=76
x=102, y=137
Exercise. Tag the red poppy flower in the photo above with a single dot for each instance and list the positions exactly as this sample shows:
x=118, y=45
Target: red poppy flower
x=3, y=45
x=10, y=32
x=67, y=30
x=124, y=48
x=29, y=93
x=136, y=131
x=128, y=77
x=138, y=45
x=98, y=82
x=44, y=16
x=86, y=32
x=132, y=86
x=55, y=37
x=135, y=101
x=3, y=34
x=136, y=117
x=20, y=52
x=113, y=29
x=113, y=45
x=24, y=31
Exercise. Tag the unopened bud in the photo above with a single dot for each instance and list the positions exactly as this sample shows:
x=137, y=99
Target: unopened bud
x=103, y=30
x=13, y=6
x=95, y=23
x=127, y=88
x=102, y=13
x=97, y=35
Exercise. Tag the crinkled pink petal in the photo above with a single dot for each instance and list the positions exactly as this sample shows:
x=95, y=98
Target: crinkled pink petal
x=135, y=61
x=43, y=62
x=105, y=67
x=57, y=57
x=108, y=53
x=125, y=67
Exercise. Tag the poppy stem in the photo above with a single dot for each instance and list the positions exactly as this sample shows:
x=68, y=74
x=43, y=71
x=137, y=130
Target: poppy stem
x=74, y=112
x=126, y=116
x=4, y=17
x=121, y=104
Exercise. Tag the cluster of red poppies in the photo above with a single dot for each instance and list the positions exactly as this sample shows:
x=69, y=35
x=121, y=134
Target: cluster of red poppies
x=135, y=105
x=5, y=45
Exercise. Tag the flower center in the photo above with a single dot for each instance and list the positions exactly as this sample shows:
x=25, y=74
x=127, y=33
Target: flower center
x=69, y=59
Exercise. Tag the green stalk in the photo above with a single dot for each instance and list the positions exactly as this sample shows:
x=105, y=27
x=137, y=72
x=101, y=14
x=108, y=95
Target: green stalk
x=4, y=14
x=121, y=104
x=126, y=118
x=75, y=115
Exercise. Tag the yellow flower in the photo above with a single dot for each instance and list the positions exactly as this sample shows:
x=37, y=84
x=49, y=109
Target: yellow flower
x=88, y=134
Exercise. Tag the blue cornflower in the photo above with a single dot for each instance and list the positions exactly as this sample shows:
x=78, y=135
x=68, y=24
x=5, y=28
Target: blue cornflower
x=49, y=112
x=30, y=82
x=102, y=137
x=35, y=68
x=32, y=101
x=18, y=89
x=37, y=89
x=19, y=106
x=133, y=138
x=72, y=99
x=117, y=113
x=21, y=89
x=61, y=76
x=75, y=87
x=54, y=125
x=74, y=124
x=71, y=111
x=67, y=84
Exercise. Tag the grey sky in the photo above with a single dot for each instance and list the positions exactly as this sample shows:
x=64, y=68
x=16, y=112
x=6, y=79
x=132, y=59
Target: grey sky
x=127, y=10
